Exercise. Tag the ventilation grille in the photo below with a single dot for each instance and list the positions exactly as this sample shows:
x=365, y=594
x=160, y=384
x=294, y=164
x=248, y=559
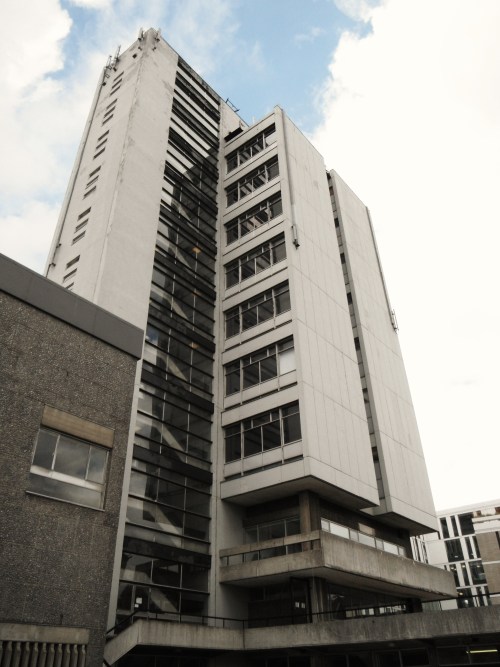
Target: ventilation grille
x=41, y=654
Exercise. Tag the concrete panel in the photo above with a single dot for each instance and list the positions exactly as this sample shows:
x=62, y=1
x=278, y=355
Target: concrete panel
x=345, y=562
x=116, y=254
x=355, y=633
x=37, y=291
x=21, y=632
x=362, y=632
x=80, y=428
x=326, y=358
x=406, y=484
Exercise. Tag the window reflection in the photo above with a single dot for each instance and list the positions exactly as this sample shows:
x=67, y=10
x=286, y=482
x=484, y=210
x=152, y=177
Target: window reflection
x=263, y=432
x=68, y=469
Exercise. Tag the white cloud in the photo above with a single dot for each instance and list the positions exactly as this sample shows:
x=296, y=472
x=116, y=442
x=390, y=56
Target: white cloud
x=30, y=43
x=357, y=10
x=92, y=4
x=48, y=78
x=254, y=57
x=26, y=237
x=310, y=35
x=411, y=120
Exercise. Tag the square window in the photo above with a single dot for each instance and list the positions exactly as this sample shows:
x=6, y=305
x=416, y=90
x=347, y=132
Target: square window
x=68, y=469
x=253, y=441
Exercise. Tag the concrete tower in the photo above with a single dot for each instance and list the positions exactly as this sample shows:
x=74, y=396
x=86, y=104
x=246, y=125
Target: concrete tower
x=275, y=472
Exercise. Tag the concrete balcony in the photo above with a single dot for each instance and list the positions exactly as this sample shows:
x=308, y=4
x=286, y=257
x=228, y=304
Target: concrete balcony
x=434, y=628
x=336, y=559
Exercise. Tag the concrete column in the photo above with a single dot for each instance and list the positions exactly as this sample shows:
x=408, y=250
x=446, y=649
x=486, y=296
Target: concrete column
x=309, y=512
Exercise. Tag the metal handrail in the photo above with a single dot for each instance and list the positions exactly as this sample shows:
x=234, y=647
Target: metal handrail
x=347, y=614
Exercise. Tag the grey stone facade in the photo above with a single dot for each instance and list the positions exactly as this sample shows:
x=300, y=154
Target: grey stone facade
x=56, y=557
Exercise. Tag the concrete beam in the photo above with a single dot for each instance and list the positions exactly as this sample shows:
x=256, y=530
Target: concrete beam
x=481, y=622
x=343, y=562
x=180, y=635
x=25, y=632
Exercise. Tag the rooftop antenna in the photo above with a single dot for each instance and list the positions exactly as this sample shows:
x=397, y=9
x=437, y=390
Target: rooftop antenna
x=157, y=37
x=107, y=73
x=231, y=105
x=116, y=58
x=140, y=37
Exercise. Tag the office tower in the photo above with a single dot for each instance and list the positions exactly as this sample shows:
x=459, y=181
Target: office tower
x=274, y=473
x=468, y=545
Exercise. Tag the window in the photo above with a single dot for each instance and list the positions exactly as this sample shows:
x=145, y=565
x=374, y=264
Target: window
x=68, y=469
x=82, y=215
x=255, y=261
x=255, y=311
x=197, y=97
x=251, y=148
x=271, y=530
x=263, y=432
x=277, y=359
x=78, y=238
x=81, y=226
x=466, y=525
x=69, y=275
x=252, y=181
x=204, y=134
x=477, y=572
x=444, y=528
x=72, y=261
x=454, y=550
x=92, y=181
x=253, y=218
x=116, y=84
x=183, y=303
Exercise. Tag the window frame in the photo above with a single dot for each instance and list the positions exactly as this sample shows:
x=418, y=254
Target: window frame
x=252, y=181
x=244, y=436
x=257, y=310
x=238, y=366
x=64, y=478
x=251, y=148
x=249, y=221
x=234, y=270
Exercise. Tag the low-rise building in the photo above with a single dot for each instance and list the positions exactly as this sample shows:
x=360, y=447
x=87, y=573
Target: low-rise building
x=468, y=546
x=67, y=377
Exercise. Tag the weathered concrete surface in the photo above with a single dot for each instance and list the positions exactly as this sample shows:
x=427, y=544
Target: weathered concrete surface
x=347, y=562
x=403, y=627
x=56, y=558
x=180, y=635
x=20, y=632
x=483, y=622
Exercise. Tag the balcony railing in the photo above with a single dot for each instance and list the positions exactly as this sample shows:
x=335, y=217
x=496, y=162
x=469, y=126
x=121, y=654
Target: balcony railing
x=279, y=546
x=295, y=616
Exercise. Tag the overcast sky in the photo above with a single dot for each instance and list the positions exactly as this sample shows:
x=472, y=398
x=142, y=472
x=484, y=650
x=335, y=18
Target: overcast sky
x=402, y=97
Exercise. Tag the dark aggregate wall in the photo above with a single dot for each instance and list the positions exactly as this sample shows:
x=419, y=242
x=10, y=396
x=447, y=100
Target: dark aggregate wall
x=56, y=558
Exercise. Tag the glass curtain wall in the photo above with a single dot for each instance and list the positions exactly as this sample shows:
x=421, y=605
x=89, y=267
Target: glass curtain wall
x=166, y=557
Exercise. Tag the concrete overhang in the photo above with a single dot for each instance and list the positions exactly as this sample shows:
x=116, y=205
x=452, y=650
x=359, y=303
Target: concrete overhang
x=481, y=624
x=468, y=624
x=289, y=479
x=342, y=562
